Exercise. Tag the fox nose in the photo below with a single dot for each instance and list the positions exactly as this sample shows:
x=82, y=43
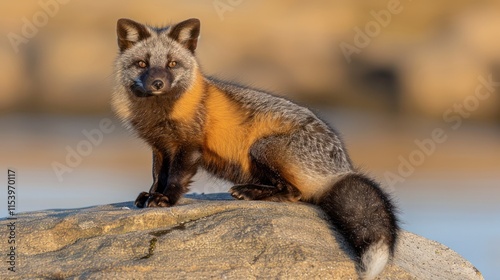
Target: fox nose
x=158, y=84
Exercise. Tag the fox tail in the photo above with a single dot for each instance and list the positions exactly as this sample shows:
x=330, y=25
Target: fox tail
x=365, y=216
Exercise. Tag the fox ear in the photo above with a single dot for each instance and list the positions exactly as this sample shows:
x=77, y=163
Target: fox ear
x=186, y=33
x=130, y=32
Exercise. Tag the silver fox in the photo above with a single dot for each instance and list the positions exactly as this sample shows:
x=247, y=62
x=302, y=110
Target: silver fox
x=269, y=147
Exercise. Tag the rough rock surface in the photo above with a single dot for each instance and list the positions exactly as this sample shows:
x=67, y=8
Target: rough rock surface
x=206, y=236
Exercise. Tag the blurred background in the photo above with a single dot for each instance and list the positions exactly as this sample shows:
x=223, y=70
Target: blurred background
x=411, y=85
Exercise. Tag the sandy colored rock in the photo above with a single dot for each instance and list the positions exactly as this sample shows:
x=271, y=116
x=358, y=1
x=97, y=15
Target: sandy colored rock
x=206, y=236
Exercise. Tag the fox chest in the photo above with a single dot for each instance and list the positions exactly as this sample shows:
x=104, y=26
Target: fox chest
x=167, y=135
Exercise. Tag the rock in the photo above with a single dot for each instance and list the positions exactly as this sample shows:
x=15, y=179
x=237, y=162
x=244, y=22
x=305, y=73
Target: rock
x=206, y=236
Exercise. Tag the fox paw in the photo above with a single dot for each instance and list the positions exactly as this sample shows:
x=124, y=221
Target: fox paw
x=246, y=192
x=146, y=199
x=141, y=199
x=262, y=192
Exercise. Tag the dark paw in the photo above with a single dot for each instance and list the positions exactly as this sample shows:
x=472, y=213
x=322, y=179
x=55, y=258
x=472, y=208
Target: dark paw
x=245, y=192
x=141, y=199
x=146, y=199
x=158, y=200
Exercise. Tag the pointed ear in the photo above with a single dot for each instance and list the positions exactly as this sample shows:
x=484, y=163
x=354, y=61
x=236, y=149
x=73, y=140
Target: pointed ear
x=130, y=32
x=186, y=33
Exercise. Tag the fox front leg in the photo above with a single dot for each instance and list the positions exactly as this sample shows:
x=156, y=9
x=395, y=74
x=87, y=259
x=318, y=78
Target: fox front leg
x=153, y=198
x=174, y=183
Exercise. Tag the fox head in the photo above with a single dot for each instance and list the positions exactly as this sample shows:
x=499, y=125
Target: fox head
x=156, y=61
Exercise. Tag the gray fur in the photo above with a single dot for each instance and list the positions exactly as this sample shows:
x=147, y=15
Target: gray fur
x=321, y=149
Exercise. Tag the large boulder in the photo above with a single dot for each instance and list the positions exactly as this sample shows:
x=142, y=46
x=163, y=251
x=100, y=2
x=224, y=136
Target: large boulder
x=206, y=236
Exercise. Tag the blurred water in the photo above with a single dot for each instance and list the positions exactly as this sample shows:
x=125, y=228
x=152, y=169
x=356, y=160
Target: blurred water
x=440, y=202
x=463, y=218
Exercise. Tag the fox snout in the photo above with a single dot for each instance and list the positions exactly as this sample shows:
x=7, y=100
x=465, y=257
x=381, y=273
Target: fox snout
x=157, y=80
x=154, y=81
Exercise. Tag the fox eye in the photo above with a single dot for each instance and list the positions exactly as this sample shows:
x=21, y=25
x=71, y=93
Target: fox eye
x=172, y=64
x=142, y=64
